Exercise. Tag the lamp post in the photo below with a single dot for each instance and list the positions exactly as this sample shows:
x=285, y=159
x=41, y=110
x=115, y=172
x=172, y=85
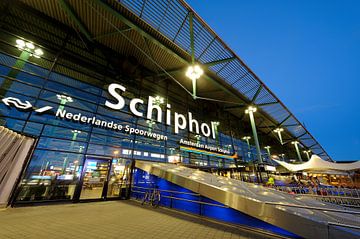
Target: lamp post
x=27, y=49
x=282, y=156
x=268, y=151
x=158, y=100
x=63, y=100
x=198, y=138
x=250, y=110
x=296, y=144
x=247, y=138
x=194, y=72
x=278, y=131
x=75, y=133
x=150, y=124
x=307, y=152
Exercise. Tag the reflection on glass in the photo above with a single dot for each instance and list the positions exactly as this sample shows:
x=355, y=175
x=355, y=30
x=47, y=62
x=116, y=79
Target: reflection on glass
x=119, y=176
x=95, y=177
x=50, y=176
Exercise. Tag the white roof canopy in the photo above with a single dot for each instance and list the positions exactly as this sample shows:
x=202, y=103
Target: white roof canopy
x=316, y=163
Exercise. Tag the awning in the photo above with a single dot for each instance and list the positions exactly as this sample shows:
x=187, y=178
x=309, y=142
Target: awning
x=316, y=163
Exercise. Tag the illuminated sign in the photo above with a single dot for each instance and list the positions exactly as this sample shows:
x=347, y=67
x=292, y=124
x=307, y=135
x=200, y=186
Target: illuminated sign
x=180, y=120
x=205, y=149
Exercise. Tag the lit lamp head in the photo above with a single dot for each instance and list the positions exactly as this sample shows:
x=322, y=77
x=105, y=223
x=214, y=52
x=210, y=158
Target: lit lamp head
x=250, y=109
x=150, y=122
x=64, y=99
x=75, y=131
x=29, y=47
x=246, y=137
x=307, y=151
x=294, y=142
x=278, y=130
x=267, y=147
x=159, y=100
x=116, y=152
x=216, y=123
x=194, y=72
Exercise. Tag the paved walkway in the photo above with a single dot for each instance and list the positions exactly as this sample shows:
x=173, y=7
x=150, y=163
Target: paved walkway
x=114, y=219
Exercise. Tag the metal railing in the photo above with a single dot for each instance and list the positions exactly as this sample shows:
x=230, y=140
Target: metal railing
x=172, y=197
x=341, y=196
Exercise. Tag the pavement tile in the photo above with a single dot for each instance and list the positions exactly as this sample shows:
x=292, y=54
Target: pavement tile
x=107, y=220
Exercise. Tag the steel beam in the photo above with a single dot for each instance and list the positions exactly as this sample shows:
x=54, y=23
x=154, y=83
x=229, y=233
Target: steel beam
x=69, y=11
x=270, y=103
x=256, y=94
x=192, y=44
x=212, y=63
x=111, y=33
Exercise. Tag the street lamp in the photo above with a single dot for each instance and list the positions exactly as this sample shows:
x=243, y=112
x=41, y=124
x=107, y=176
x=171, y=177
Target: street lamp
x=247, y=138
x=63, y=100
x=282, y=156
x=159, y=100
x=29, y=47
x=268, y=151
x=194, y=72
x=278, y=131
x=197, y=137
x=75, y=133
x=307, y=152
x=251, y=110
x=296, y=144
x=150, y=124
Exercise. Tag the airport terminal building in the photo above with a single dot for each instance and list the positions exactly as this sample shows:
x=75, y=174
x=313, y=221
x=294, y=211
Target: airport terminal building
x=88, y=88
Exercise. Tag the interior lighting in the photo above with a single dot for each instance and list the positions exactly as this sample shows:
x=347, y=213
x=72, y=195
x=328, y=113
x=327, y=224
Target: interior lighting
x=159, y=100
x=277, y=130
x=194, y=72
x=65, y=98
x=250, y=109
x=29, y=47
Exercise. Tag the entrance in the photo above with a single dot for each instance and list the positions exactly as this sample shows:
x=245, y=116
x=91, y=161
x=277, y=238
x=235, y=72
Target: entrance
x=104, y=178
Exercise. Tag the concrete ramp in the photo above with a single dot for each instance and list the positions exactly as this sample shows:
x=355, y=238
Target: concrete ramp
x=303, y=216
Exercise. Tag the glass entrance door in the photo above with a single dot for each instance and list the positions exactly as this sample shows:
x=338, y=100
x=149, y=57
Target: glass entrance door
x=119, y=177
x=95, y=177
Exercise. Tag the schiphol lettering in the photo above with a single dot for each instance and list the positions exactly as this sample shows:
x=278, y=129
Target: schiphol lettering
x=181, y=122
x=62, y=113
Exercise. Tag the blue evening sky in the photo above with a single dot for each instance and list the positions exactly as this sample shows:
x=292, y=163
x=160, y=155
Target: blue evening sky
x=307, y=52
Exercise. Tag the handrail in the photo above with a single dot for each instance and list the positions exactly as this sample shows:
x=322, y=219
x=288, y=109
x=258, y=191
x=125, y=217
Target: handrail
x=327, y=196
x=314, y=208
x=199, y=202
x=188, y=200
x=170, y=191
x=343, y=225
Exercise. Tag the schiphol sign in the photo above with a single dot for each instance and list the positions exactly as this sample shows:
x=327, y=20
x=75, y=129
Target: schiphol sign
x=181, y=122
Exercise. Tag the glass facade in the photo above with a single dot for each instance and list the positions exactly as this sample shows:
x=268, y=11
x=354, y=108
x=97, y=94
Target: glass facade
x=75, y=160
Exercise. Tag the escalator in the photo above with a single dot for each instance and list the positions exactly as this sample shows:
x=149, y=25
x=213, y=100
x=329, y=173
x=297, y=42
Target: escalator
x=302, y=216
